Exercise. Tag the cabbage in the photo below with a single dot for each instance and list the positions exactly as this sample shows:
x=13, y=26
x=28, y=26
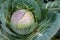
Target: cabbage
x=29, y=19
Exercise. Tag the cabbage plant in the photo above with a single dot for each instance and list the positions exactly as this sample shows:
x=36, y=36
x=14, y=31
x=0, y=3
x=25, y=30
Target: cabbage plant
x=29, y=19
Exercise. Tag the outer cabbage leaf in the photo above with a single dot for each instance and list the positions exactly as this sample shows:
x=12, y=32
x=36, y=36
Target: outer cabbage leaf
x=46, y=33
